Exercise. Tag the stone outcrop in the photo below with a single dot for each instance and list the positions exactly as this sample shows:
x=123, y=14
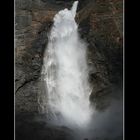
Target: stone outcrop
x=100, y=24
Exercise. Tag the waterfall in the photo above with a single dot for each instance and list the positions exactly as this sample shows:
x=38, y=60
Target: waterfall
x=65, y=72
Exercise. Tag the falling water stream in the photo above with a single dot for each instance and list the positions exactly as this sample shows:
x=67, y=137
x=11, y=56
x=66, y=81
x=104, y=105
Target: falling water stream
x=65, y=101
x=65, y=72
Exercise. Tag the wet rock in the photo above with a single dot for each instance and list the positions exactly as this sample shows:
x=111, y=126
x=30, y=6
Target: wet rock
x=23, y=4
x=23, y=21
x=43, y=16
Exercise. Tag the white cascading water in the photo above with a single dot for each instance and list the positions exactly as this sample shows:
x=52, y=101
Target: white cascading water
x=65, y=71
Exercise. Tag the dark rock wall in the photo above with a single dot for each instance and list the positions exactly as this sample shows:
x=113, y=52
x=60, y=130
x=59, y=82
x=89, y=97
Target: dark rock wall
x=32, y=24
x=100, y=24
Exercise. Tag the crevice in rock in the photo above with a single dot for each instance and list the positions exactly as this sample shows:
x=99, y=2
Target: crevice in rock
x=23, y=84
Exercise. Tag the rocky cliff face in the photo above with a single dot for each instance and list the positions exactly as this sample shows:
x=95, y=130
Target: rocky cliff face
x=100, y=24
